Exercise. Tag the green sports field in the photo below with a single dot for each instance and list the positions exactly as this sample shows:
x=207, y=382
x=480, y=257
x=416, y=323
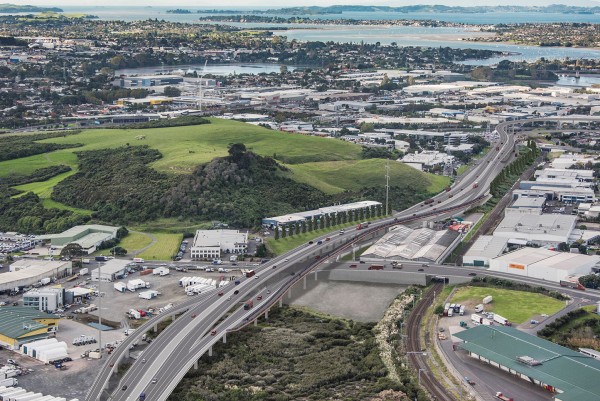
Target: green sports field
x=516, y=306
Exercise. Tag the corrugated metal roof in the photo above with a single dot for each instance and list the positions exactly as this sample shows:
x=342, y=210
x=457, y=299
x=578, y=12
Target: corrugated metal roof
x=569, y=371
x=18, y=321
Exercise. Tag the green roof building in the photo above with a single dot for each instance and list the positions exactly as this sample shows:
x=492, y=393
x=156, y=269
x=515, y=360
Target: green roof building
x=88, y=236
x=571, y=375
x=19, y=325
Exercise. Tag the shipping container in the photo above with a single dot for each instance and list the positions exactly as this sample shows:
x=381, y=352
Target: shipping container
x=487, y=300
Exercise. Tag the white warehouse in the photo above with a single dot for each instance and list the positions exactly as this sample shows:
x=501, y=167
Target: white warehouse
x=543, y=230
x=208, y=244
x=544, y=264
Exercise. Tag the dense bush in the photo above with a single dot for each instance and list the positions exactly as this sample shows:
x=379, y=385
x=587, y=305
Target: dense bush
x=26, y=214
x=295, y=355
x=167, y=122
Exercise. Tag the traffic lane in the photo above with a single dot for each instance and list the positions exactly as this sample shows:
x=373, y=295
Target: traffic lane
x=148, y=358
x=186, y=360
x=107, y=368
x=139, y=374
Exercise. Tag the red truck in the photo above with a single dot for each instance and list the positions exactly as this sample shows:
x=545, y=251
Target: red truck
x=503, y=397
x=360, y=226
x=250, y=273
x=376, y=267
x=248, y=305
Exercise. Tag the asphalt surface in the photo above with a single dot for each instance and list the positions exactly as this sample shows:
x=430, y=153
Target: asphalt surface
x=170, y=356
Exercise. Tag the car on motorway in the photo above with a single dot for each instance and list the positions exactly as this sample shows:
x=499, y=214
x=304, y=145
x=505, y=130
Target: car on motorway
x=256, y=277
x=221, y=293
x=286, y=260
x=327, y=239
x=319, y=242
x=193, y=316
x=421, y=270
x=274, y=266
x=213, y=333
x=124, y=387
x=342, y=232
x=154, y=381
x=471, y=382
x=236, y=292
x=259, y=298
x=353, y=266
x=472, y=274
x=143, y=360
x=310, y=242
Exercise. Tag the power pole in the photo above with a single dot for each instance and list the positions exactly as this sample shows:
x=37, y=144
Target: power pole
x=387, y=187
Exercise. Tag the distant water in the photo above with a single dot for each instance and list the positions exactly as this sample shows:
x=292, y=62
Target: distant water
x=402, y=35
x=142, y=13
x=583, y=81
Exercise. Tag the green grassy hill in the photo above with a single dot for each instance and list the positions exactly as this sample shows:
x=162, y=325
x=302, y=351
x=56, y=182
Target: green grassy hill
x=332, y=166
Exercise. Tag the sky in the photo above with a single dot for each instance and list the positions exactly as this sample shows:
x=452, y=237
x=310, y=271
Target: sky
x=287, y=3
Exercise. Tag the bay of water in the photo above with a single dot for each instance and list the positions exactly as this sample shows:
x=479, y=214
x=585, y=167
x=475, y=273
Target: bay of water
x=142, y=13
x=402, y=35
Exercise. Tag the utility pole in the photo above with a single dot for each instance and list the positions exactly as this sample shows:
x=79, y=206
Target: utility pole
x=387, y=187
x=100, y=307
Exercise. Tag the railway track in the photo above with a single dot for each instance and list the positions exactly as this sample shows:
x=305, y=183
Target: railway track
x=413, y=344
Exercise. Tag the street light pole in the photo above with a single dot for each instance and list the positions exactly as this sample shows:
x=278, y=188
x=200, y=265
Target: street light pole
x=100, y=307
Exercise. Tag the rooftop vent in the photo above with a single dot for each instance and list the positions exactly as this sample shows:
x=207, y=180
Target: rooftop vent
x=527, y=360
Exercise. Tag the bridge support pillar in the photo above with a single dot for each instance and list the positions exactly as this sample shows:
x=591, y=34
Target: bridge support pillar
x=304, y=283
x=289, y=293
x=315, y=275
x=267, y=314
x=155, y=328
x=224, y=338
x=210, y=351
x=196, y=364
x=173, y=317
x=280, y=302
x=256, y=322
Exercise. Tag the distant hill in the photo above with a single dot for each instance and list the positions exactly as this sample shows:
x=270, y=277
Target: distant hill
x=16, y=8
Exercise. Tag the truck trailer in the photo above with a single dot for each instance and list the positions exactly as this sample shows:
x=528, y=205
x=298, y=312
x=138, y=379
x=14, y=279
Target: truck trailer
x=501, y=320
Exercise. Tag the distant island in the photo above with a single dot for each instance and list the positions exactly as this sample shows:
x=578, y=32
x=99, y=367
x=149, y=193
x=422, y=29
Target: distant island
x=15, y=8
x=421, y=8
x=179, y=11
x=439, y=9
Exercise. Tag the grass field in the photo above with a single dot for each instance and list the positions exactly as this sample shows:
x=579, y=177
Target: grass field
x=337, y=176
x=186, y=147
x=135, y=241
x=43, y=189
x=166, y=246
x=516, y=306
x=27, y=165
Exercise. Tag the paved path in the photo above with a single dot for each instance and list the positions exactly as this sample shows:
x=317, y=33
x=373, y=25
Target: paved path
x=154, y=241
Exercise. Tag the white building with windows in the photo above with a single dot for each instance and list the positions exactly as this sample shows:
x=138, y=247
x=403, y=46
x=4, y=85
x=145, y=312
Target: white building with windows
x=209, y=244
x=44, y=299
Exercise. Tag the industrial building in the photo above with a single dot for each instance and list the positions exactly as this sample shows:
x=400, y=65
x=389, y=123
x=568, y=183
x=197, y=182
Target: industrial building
x=209, y=244
x=147, y=81
x=544, y=264
x=27, y=272
x=45, y=299
x=112, y=270
x=88, y=236
x=570, y=375
x=527, y=205
x=555, y=191
x=484, y=249
x=567, y=176
x=405, y=243
x=19, y=325
x=331, y=211
x=544, y=230
x=427, y=159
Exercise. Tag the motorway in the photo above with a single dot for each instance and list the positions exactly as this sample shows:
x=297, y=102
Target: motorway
x=206, y=319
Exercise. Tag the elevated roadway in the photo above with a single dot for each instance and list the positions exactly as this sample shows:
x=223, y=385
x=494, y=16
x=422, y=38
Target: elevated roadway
x=207, y=318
